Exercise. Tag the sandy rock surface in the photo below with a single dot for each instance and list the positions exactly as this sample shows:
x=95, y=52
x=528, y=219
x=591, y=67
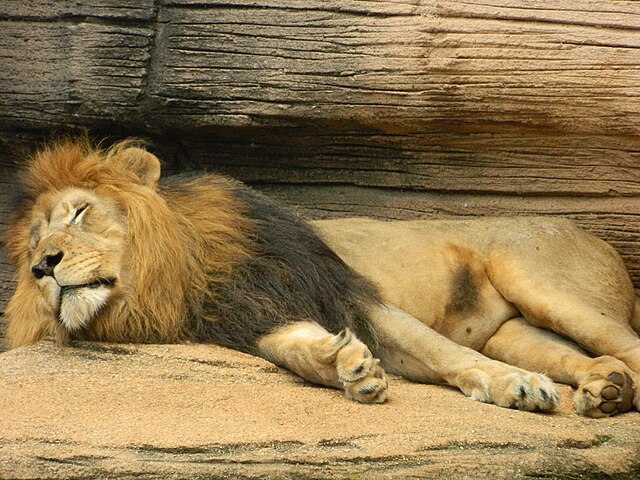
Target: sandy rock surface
x=199, y=411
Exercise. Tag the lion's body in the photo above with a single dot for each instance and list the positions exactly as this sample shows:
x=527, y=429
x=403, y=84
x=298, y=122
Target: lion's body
x=105, y=252
x=444, y=272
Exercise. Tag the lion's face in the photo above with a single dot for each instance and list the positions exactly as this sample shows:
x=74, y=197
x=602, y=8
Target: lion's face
x=100, y=247
x=76, y=238
x=76, y=243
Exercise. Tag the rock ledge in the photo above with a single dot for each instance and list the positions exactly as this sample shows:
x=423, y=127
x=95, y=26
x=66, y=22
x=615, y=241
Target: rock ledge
x=200, y=411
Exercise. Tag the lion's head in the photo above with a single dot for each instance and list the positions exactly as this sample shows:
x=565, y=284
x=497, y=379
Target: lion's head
x=101, y=251
x=71, y=235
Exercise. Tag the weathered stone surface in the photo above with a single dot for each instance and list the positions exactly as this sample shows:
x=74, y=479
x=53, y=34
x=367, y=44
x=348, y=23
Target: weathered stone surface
x=514, y=101
x=513, y=97
x=198, y=411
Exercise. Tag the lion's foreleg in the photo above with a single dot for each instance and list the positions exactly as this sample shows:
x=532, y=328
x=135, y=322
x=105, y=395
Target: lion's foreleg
x=340, y=361
x=413, y=350
x=604, y=384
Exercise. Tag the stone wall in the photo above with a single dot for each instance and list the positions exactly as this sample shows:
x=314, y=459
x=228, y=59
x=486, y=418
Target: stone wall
x=387, y=108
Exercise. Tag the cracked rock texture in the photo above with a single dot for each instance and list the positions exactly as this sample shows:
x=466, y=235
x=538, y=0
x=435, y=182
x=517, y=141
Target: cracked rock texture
x=388, y=108
x=200, y=411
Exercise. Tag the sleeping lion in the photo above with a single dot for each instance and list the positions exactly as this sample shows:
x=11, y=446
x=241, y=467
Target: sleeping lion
x=107, y=251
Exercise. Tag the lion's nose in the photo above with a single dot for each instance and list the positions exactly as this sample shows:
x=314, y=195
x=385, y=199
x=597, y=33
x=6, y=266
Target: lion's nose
x=46, y=265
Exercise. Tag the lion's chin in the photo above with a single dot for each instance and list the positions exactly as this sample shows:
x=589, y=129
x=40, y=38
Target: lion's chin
x=80, y=305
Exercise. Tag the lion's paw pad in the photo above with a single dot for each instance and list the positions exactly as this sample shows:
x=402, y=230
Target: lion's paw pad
x=605, y=397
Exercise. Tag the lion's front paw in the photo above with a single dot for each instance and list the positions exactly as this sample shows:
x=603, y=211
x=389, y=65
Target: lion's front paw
x=513, y=388
x=527, y=391
x=361, y=375
x=602, y=396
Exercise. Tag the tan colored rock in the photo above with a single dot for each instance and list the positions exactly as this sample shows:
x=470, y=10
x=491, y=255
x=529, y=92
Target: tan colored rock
x=195, y=411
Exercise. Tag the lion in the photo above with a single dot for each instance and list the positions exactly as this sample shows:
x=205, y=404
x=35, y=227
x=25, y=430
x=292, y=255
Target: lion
x=500, y=308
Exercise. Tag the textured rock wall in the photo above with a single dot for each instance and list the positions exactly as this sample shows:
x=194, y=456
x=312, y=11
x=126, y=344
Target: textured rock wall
x=388, y=108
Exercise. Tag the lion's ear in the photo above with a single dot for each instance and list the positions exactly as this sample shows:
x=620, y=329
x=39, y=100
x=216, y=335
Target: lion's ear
x=143, y=164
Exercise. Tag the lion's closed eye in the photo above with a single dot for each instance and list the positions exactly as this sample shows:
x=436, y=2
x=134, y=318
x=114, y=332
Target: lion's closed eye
x=78, y=214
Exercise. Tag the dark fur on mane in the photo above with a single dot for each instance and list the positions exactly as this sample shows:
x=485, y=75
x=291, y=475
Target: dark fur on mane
x=292, y=275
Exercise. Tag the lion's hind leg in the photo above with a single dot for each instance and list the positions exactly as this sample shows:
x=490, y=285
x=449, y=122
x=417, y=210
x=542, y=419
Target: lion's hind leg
x=340, y=361
x=603, y=384
x=593, y=307
x=413, y=350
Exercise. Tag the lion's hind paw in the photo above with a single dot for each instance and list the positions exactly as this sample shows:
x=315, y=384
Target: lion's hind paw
x=605, y=397
x=532, y=392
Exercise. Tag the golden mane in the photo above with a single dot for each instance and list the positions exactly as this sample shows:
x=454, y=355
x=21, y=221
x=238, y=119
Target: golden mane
x=177, y=244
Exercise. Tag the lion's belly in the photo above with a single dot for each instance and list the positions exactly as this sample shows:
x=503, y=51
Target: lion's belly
x=437, y=277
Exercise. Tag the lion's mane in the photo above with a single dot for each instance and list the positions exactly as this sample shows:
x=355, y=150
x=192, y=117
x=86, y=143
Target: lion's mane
x=208, y=259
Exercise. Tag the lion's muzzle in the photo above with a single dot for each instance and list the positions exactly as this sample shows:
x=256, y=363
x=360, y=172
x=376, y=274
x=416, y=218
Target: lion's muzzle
x=45, y=266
